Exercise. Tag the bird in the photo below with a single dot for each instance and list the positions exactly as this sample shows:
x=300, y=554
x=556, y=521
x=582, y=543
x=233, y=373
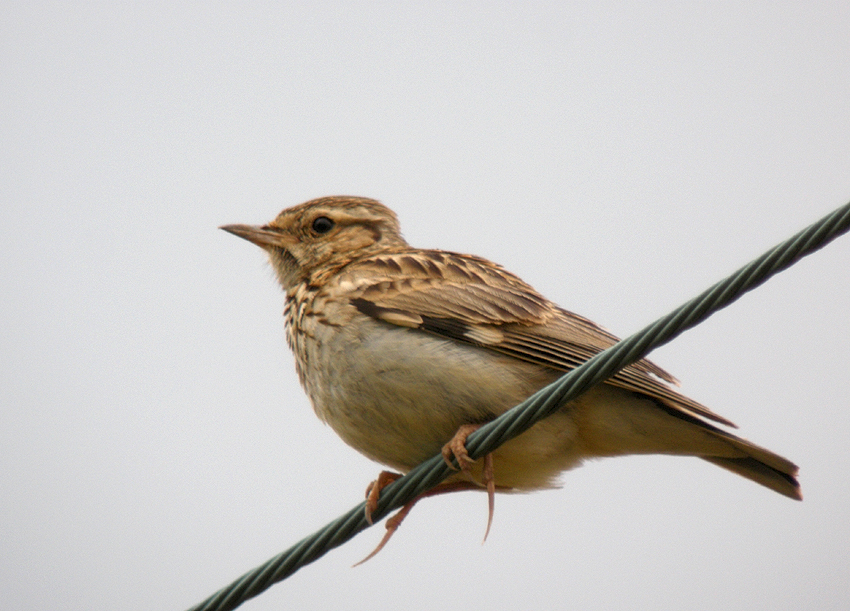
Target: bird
x=404, y=352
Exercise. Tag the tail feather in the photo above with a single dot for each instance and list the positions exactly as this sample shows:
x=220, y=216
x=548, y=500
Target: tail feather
x=781, y=481
x=759, y=465
x=741, y=456
x=617, y=424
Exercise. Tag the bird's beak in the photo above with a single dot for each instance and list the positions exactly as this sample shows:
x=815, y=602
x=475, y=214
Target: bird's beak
x=264, y=237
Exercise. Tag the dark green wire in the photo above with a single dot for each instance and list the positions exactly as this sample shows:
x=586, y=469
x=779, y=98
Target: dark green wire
x=541, y=404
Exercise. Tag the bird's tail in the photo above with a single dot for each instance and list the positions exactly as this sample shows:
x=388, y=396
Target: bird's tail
x=760, y=465
x=614, y=422
x=736, y=454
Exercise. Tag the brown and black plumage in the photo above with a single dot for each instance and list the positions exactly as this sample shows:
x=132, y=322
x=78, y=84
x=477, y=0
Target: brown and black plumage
x=398, y=348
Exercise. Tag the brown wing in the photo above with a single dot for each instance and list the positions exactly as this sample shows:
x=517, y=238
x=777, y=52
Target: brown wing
x=474, y=301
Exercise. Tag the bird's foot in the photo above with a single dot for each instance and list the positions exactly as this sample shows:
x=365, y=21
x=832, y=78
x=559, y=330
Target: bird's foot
x=395, y=521
x=373, y=491
x=456, y=448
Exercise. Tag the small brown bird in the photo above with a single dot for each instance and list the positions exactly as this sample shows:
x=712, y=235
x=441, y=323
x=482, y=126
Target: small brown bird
x=404, y=352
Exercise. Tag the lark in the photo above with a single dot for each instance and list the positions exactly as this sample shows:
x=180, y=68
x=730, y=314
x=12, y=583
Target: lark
x=404, y=352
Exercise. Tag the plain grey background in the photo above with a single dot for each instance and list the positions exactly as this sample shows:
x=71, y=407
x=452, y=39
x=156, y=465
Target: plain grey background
x=620, y=157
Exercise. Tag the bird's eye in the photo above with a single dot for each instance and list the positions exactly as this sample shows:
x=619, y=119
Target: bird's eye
x=322, y=224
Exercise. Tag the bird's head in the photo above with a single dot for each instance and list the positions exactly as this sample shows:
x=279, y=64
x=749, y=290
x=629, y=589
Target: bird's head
x=323, y=235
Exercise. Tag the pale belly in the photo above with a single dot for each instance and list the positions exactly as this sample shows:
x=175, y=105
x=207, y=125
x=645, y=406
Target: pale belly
x=398, y=395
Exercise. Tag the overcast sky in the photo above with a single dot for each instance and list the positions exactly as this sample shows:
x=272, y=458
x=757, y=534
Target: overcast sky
x=155, y=443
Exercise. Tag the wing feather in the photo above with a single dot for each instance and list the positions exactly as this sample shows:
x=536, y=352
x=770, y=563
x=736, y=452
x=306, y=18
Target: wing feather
x=470, y=300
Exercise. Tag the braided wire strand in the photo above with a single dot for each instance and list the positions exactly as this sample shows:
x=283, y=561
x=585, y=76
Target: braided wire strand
x=541, y=404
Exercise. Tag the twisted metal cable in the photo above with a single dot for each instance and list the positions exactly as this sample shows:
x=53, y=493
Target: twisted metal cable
x=538, y=406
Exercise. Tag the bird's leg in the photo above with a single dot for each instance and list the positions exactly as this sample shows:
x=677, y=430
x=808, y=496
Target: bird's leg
x=373, y=491
x=395, y=521
x=456, y=448
x=489, y=479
